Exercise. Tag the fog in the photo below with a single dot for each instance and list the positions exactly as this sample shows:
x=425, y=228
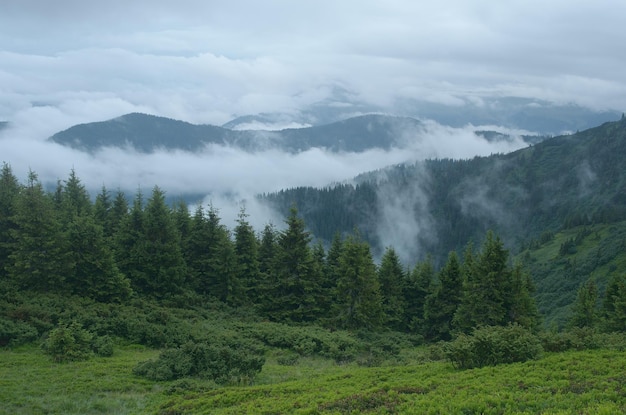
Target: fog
x=226, y=176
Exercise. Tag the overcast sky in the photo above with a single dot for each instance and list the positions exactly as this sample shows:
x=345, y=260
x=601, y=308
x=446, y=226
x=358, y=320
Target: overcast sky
x=65, y=62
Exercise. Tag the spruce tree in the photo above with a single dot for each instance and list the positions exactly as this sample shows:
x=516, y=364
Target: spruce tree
x=165, y=271
x=415, y=290
x=247, y=254
x=38, y=258
x=131, y=253
x=441, y=304
x=614, y=304
x=293, y=287
x=584, y=309
x=391, y=278
x=485, y=288
x=359, y=303
x=9, y=190
x=94, y=273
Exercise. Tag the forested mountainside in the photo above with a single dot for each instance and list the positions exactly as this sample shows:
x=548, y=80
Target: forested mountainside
x=561, y=182
x=147, y=133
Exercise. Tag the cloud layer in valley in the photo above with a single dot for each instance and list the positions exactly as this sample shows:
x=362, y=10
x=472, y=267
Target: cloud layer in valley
x=68, y=62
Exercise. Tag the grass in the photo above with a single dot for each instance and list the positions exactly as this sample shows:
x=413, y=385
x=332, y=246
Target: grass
x=30, y=383
x=582, y=382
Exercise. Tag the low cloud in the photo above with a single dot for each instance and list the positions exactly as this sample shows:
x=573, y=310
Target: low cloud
x=226, y=175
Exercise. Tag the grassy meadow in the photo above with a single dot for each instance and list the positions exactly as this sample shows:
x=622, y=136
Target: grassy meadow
x=572, y=382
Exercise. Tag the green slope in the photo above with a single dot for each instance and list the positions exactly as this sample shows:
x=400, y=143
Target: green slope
x=561, y=262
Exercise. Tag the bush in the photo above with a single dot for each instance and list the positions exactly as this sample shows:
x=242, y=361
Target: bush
x=14, y=333
x=68, y=343
x=492, y=345
x=219, y=362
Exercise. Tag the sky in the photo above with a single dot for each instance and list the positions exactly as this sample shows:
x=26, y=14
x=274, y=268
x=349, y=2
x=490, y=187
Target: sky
x=203, y=61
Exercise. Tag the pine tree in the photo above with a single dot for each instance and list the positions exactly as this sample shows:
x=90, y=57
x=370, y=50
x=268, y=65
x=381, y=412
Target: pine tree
x=74, y=199
x=359, y=303
x=9, y=190
x=131, y=253
x=584, y=309
x=102, y=211
x=416, y=288
x=391, y=278
x=614, y=304
x=485, y=288
x=117, y=215
x=441, y=304
x=247, y=254
x=165, y=271
x=94, y=273
x=293, y=288
x=38, y=258
x=519, y=300
x=268, y=247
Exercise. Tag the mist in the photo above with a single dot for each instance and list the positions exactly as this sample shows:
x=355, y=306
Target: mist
x=228, y=177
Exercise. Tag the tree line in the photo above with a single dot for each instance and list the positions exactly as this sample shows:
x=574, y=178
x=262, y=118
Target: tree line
x=113, y=249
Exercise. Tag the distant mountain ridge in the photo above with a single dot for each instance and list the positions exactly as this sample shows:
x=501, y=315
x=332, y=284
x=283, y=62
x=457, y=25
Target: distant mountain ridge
x=148, y=133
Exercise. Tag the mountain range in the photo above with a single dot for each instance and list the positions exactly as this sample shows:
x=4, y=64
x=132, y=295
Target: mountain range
x=148, y=133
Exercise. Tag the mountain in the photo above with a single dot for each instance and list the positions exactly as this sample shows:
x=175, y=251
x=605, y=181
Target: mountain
x=148, y=133
x=527, y=197
x=538, y=116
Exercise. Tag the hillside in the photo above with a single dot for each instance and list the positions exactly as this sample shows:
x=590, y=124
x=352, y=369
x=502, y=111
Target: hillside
x=574, y=179
x=148, y=133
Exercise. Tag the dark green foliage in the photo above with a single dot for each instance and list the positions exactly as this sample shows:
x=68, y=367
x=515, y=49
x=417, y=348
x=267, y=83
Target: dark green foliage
x=68, y=343
x=340, y=346
x=93, y=273
x=247, y=257
x=165, y=269
x=224, y=363
x=294, y=289
x=585, y=308
x=416, y=289
x=9, y=189
x=614, y=305
x=493, y=345
x=38, y=259
x=442, y=302
x=358, y=303
x=15, y=333
x=391, y=277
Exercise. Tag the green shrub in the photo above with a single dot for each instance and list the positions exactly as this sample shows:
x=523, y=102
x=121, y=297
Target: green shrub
x=14, y=333
x=220, y=362
x=493, y=345
x=68, y=343
x=102, y=346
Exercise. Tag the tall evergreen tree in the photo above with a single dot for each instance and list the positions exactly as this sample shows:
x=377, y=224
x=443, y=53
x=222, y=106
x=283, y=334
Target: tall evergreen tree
x=391, y=278
x=74, y=199
x=441, y=304
x=584, y=309
x=247, y=254
x=131, y=253
x=165, y=271
x=102, y=211
x=38, y=258
x=268, y=246
x=614, y=304
x=9, y=190
x=519, y=301
x=94, y=273
x=359, y=303
x=294, y=288
x=487, y=279
x=416, y=288
x=118, y=214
